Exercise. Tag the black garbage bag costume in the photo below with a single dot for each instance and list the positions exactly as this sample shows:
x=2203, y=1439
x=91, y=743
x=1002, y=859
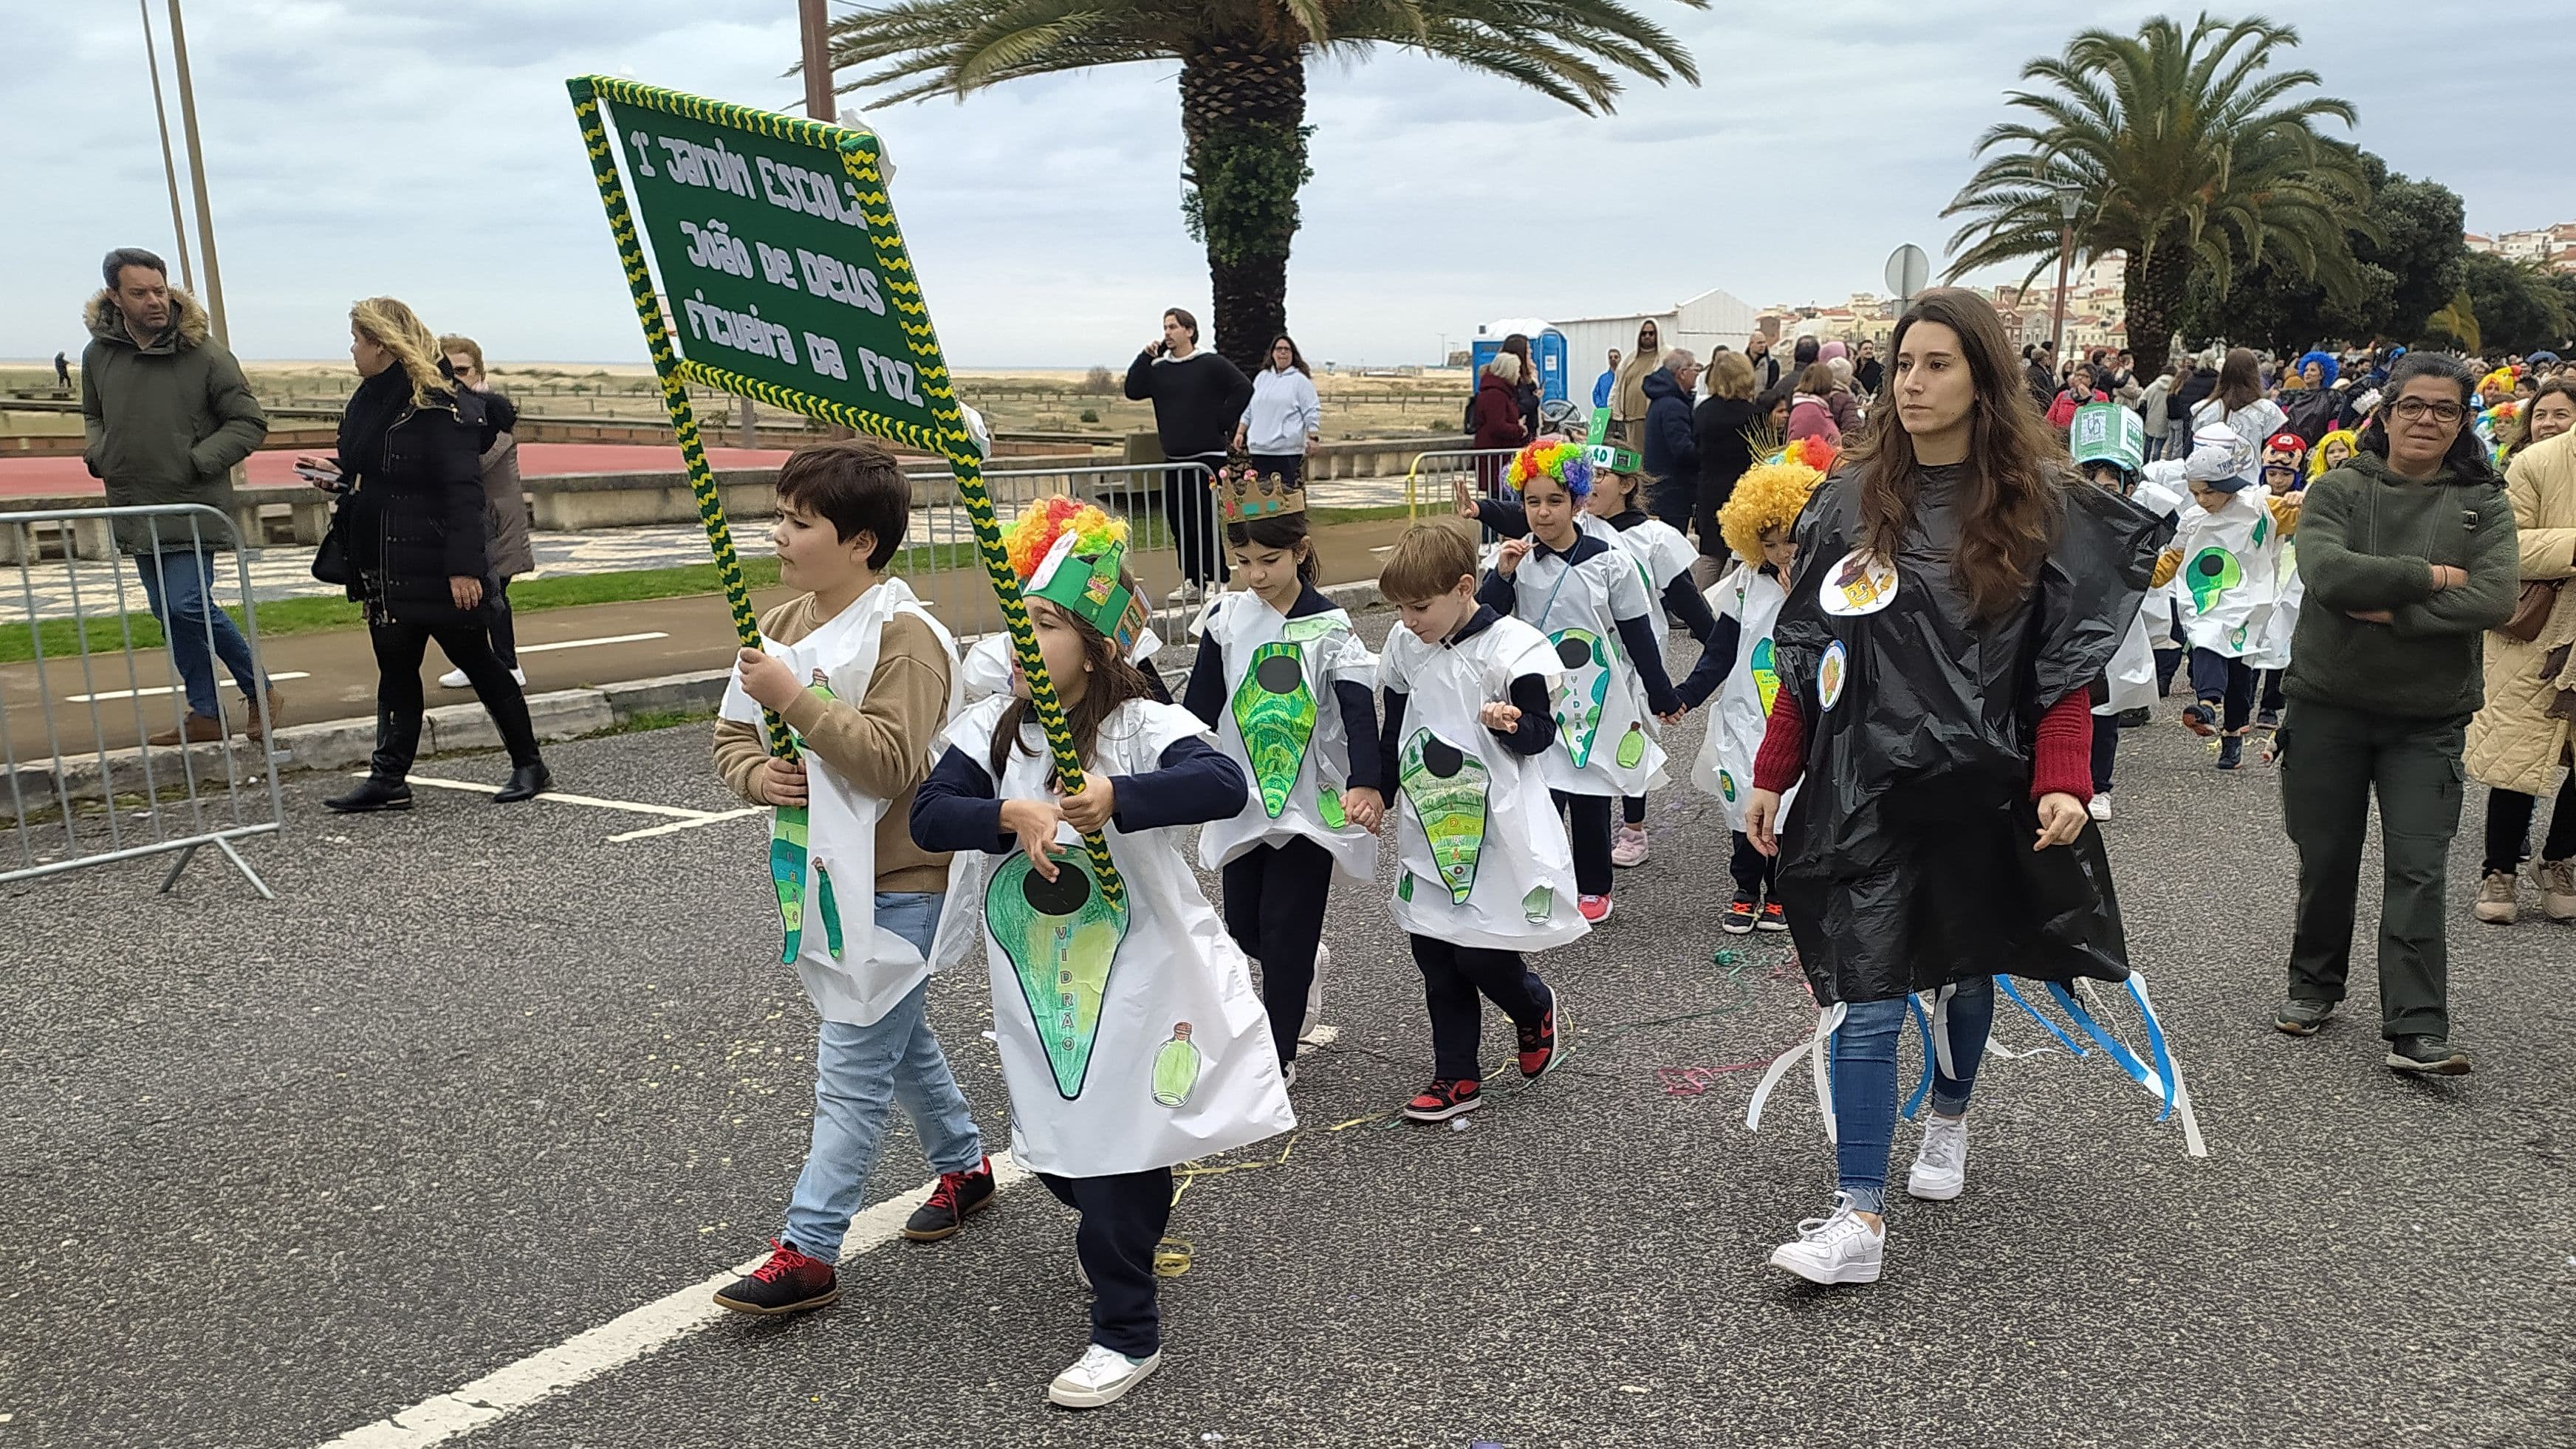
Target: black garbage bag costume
x=1906, y=861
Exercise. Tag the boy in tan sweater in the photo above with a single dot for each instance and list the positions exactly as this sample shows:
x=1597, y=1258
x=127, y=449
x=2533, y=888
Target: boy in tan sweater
x=866, y=680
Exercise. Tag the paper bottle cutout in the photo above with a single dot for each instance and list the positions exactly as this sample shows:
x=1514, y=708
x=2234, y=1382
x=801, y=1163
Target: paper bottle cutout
x=1539, y=904
x=1447, y=788
x=1061, y=938
x=1586, y=688
x=788, y=858
x=1766, y=674
x=1632, y=747
x=1328, y=803
x=1726, y=786
x=1176, y=1067
x=1275, y=712
x=2211, y=572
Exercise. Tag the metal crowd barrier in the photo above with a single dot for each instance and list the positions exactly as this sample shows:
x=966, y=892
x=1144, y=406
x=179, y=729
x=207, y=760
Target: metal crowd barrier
x=943, y=536
x=1432, y=477
x=83, y=687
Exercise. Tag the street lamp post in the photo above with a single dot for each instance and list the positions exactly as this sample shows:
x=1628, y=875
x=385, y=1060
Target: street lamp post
x=2069, y=200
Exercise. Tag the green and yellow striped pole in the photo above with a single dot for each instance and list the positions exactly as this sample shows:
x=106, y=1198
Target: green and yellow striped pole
x=951, y=441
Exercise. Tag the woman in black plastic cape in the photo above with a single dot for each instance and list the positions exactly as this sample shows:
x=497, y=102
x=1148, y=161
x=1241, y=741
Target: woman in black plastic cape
x=1957, y=595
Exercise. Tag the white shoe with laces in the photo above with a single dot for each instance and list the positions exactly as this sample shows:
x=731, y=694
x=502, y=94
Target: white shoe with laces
x=2099, y=807
x=1940, y=1170
x=1101, y=1376
x=1839, y=1248
x=455, y=679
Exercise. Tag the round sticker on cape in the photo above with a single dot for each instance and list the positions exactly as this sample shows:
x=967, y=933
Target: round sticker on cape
x=1831, y=674
x=1860, y=584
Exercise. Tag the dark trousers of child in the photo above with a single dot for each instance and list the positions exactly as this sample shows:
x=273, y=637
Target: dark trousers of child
x=1274, y=909
x=1755, y=874
x=1451, y=978
x=1633, y=809
x=2227, y=683
x=1123, y=1217
x=1587, y=829
x=2272, y=698
x=2106, y=750
x=2509, y=815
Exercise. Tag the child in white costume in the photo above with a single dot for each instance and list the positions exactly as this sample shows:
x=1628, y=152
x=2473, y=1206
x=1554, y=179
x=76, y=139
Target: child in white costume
x=2221, y=569
x=1757, y=522
x=1586, y=595
x=2108, y=442
x=1285, y=684
x=1129, y=1033
x=1486, y=874
x=2285, y=481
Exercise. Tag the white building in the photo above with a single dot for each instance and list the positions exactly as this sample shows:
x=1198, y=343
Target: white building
x=1711, y=320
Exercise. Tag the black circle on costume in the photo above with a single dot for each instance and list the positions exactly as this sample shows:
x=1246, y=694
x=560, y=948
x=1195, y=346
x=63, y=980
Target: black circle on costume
x=1279, y=674
x=1061, y=896
x=1573, y=653
x=1441, y=758
x=2210, y=565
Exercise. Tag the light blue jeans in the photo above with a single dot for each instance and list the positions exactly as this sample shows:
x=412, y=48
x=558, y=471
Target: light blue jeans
x=858, y=1070
x=178, y=586
x=1865, y=1089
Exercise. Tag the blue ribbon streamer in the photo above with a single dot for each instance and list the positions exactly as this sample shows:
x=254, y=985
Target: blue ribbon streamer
x=2068, y=1042
x=2085, y=1023
x=2156, y=1046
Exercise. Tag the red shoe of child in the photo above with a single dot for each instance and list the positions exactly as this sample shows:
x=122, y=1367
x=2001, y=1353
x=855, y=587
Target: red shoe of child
x=1443, y=1100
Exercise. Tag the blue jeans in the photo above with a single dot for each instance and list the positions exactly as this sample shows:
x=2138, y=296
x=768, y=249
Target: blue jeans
x=178, y=585
x=858, y=1070
x=1865, y=1088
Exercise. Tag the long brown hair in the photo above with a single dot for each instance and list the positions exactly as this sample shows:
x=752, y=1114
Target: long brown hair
x=1114, y=681
x=2240, y=382
x=2014, y=484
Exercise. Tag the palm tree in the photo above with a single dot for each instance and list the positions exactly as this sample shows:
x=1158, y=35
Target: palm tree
x=2186, y=150
x=1243, y=89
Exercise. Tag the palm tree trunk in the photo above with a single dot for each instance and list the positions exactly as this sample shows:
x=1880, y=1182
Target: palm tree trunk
x=2152, y=291
x=1243, y=125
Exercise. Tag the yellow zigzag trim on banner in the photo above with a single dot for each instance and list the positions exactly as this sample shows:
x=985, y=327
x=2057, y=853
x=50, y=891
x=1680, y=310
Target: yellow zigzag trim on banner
x=858, y=154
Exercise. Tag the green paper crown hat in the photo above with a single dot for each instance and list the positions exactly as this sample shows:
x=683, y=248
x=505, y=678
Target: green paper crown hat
x=1071, y=553
x=2108, y=433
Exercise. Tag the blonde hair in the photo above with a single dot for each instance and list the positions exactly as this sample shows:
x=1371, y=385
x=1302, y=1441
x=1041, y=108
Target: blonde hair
x=1730, y=375
x=452, y=343
x=1427, y=561
x=1768, y=496
x=1505, y=366
x=398, y=330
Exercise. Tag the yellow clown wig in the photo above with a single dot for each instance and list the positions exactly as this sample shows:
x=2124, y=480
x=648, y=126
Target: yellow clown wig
x=1768, y=496
x=2317, y=455
x=1034, y=533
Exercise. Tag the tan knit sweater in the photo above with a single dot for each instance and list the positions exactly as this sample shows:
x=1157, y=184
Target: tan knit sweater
x=882, y=746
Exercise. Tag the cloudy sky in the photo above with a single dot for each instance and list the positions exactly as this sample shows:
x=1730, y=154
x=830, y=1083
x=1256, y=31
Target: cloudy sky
x=429, y=152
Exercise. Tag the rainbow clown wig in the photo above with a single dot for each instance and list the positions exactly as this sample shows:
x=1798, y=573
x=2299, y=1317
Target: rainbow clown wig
x=1072, y=554
x=1554, y=458
x=2350, y=441
x=1772, y=495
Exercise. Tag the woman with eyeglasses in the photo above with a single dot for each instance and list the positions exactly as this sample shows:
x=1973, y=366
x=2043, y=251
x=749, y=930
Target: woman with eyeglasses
x=2408, y=552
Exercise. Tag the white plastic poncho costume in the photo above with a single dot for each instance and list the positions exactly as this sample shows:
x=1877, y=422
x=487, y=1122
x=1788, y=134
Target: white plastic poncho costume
x=1460, y=790
x=2108, y=433
x=1724, y=766
x=1283, y=725
x=854, y=971
x=2224, y=590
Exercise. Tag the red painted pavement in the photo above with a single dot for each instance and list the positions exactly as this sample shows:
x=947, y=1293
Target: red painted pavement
x=27, y=477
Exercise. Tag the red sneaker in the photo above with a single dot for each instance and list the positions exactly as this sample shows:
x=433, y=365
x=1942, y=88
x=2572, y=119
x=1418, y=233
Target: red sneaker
x=957, y=1194
x=1595, y=909
x=1443, y=1100
x=789, y=1282
x=1538, y=1044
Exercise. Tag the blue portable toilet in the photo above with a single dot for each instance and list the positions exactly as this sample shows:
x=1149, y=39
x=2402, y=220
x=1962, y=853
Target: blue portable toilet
x=1547, y=349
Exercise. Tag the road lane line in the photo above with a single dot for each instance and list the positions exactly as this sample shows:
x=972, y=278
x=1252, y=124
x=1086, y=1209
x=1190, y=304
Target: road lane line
x=679, y=825
x=612, y=1345
x=106, y=695
x=559, y=797
x=592, y=643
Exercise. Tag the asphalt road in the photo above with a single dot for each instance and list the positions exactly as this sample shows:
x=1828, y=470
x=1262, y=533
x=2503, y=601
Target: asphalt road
x=481, y=1080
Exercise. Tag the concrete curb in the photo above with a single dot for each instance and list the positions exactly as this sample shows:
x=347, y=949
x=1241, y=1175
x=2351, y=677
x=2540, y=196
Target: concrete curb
x=343, y=744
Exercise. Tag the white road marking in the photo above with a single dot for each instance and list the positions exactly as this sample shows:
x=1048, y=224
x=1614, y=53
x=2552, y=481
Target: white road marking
x=106, y=695
x=679, y=825
x=612, y=1345
x=561, y=798
x=591, y=643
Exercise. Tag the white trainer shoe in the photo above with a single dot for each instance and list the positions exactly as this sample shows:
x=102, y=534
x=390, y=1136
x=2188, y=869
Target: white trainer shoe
x=455, y=679
x=1315, y=995
x=1101, y=1376
x=1836, y=1249
x=2099, y=807
x=1940, y=1170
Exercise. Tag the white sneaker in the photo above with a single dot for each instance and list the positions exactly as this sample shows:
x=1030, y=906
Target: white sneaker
x=1836, y=1249
x=1101, y=1376
x=1288, y=1076
x=2099, y=807
x=1182, y=597
x=455, y=679
x=1315, y=995
x=1940, y=1170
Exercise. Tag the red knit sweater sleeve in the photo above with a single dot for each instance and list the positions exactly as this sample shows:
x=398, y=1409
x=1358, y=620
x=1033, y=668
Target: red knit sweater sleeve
x=2061, y=754
x=1783, y=756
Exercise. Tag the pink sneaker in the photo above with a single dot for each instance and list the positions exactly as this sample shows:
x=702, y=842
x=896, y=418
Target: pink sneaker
x=1595, y=909
x=1628, y=845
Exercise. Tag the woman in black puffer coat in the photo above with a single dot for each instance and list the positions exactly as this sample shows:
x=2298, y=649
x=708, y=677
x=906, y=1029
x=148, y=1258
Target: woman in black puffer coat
x=412, y=529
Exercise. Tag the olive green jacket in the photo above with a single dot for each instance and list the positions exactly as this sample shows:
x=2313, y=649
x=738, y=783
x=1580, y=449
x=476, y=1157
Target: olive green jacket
x=166, y=422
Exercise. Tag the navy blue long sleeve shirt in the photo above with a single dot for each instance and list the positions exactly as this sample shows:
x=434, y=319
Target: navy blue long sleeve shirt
x=1193, y=783
x=1205, y=696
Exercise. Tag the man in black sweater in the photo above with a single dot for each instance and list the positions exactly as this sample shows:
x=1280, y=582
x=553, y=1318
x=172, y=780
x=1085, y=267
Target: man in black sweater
x=1198, y=397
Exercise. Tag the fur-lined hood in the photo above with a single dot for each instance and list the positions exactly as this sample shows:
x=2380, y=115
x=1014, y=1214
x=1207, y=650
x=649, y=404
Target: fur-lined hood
x=188, y=323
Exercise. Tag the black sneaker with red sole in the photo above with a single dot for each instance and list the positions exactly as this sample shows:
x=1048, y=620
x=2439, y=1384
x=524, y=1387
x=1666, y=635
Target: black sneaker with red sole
x=1443, y=1100
x=957, y=1195
x=1772, y=918
x=787, y=1282
x=1739, y=918
x=1539, y=1051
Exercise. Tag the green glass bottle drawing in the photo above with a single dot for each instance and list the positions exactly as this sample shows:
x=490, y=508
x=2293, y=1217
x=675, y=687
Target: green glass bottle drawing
x=1176, y=1067
x=1328, y=803
x=1274, y=710
x=1061, y=937
x=1447, y=788
x=1539, y=904
x=1632, y=747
